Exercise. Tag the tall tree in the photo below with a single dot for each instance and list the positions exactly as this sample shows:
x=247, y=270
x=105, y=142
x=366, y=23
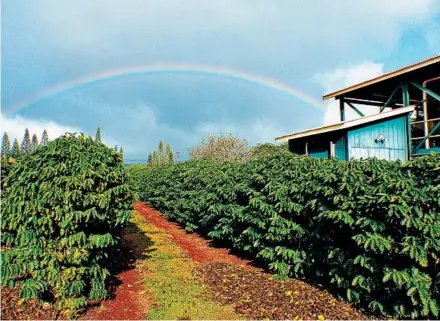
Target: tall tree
x=34, y=144
x=15, y=151
x=169, y=154
x=26, y=146
x=44, y=138
x=116, y=148
x=122, y=153
x=161, y=155
x=98, y=135
x=6, y=145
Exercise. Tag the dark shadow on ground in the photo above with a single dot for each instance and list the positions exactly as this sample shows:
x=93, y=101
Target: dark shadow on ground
x=135, y=246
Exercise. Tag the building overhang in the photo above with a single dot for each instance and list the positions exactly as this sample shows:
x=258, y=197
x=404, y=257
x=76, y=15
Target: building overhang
x=347, y=124
x=379, y=88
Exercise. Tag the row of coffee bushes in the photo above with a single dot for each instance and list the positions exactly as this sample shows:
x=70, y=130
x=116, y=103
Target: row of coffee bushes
x=367, y=230
x=64, y=206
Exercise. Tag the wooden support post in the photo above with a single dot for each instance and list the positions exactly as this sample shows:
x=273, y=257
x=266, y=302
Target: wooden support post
x=425, y=117
x=332, y=149
x=405, y=94
x=307, y=148
x=342, y=108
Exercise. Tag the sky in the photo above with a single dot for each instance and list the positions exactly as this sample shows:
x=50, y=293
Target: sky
x=178, y=71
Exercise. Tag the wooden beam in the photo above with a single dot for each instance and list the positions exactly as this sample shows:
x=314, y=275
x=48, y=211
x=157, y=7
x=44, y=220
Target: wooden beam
x=356, y=110
x=342, y=108
x=431, y=133
x=370, y=102
x=389, y=99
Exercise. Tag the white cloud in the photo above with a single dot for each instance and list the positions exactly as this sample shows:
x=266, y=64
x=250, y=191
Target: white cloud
x=16, y=125
x=228, y=32
x=342, y=78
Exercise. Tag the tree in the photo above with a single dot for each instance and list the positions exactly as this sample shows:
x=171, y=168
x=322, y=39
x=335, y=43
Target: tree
x=169, y=154
x=44, y=138
x=268, y=149
x=98, y=135
x=34, y=144
x=116, y=148
x=6, y=145
x=15, y=151
x=26, y=146
x=221, y=149
x=161, y=156
x=122, y=153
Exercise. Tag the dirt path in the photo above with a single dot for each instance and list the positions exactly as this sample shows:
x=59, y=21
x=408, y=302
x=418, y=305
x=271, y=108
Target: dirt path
x=162, y=272
x=253, y=293
x=129, y=301
x=198, y=248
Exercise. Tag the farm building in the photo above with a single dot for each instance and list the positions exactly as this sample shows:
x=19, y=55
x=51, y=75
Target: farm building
x=407, y=122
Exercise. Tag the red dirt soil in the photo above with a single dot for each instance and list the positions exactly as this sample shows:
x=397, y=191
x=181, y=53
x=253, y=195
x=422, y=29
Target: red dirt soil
x=129, y=296
x=198, y=248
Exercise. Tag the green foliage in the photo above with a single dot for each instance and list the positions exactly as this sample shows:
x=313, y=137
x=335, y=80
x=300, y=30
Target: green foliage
x=267, y=149
x=65, y=205
x=34, y=143
x=367, y=230
x=44, y=138
x=26, y=145
x=6, y=146
x=161, y=156
x=15, y=150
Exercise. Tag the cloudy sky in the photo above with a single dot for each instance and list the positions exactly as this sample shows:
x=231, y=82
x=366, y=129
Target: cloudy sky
x=60, y=58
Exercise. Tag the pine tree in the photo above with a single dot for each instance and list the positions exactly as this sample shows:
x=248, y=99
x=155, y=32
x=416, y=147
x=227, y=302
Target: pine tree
x=169, y=155
x=170, y=158
x=98, y=135
x=26, y=146
x=34, y=144
x=6, y=145
x=15, y=151
x=122, y=153
x=116, y=148
x=155, y=158
x=161, y=156
x=160, y=153
x=44, y=138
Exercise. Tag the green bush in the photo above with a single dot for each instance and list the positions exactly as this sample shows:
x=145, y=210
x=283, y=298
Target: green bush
x=65, y=206
x=368, y=230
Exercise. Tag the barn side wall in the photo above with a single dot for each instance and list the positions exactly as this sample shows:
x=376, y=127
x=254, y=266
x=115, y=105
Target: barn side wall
x=384, y=140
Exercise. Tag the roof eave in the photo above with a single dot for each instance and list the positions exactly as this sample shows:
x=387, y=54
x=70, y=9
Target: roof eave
x=346, y=124
x=386, y=76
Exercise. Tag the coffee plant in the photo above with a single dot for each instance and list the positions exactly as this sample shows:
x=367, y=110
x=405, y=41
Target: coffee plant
x=65, y=205
x=368, y=230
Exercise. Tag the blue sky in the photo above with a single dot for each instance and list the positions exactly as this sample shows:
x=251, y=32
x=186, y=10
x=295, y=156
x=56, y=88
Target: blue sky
x=313, y=46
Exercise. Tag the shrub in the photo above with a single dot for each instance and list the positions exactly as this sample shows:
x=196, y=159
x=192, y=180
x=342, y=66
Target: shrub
x=221, y=149
x=66, y=204
x=367, y=230
x=268, y=149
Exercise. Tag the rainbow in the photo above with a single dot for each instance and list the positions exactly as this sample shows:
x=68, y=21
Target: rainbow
x=154, y=69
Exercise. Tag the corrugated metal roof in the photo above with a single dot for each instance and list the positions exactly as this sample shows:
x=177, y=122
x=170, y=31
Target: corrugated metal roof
x=346, y=124
x=386, y=76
